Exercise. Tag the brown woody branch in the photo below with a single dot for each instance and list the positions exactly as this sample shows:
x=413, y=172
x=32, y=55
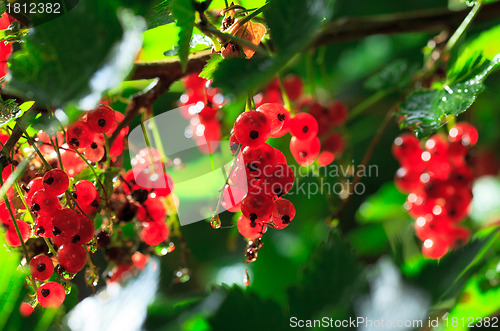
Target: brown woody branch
x=167, y=73
x=347, y=29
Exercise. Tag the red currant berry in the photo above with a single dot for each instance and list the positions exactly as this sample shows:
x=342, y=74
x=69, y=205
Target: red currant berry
x=407, y=180
x=66, y=224
x=101, y=119
x=194, y=82
x=43, y=226
x=252, y=128
x=41, y=267
x=85, y=232
x=152, y=210
x=95, y=152
x=305, y=152
x=55, y=182
x=257, y=206
x=85, y=192
x=250, y=229
x=139, y=260
x=26, y=309
x=457, y=236
x=92, y=207
x=325, y=158
x=465, y=133
x=277, y=115
x=279, y=180
x=303, y=126
x=33, y=186
x=72, y=257
x=44, y=203
x=407, y=150
x=257, y=158
x=50, y=295
x=283, y=213
x=11, y=236
x=154, y=233
x=434, y=248
x=79, y=135
x=337, y=113
x=294, y=86
x=334, y=144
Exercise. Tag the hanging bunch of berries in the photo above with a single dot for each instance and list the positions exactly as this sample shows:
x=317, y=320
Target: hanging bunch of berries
x=52, y=210
x=438, y=181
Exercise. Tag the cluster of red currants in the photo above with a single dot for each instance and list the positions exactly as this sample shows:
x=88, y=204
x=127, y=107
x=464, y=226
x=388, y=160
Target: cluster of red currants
x=257, y=185
x=438, y=181
x=312, y=137
x=205, y=101
x=56, y=209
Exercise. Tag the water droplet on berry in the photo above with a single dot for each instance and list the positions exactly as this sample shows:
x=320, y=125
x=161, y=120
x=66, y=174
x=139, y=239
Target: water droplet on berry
x=64, y=274
x=92, y=245
x=67, y=287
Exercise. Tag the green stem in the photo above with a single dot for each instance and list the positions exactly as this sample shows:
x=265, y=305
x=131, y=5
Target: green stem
x=252, y=15
x=463, y=27
x=286, y=99
x=231, y=170
x=33, y=144
x=18, y=232
x=310, y=73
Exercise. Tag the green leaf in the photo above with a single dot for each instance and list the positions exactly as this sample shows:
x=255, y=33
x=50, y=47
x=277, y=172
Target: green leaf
x=395, y=75
x=425, y=111
x=184, y=13
x=211, y=66
x=198, y=43
x=385, y=204
x=55, y=68
x=295, y=23
x=445, y=278
x=245, y=310
x=11, y=282
x=331, y=275
x=160, y=14
x=9, y=110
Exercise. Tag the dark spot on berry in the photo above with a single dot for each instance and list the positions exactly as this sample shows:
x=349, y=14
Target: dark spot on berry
x=278, y=191
x=101, y=122
x=452, y=212
x=285, y=219
x=305, y=129
x=93, y=145
x=45, y=292
x=74, y=142
x=302, y=154
x=5, y=226
x=76, y=239
x=35, y=207
x=233, y=147
x=74, y=195
x=95, y=204
x=252, y=167
x=140, y=195
x=41, y=267
x=253, y=218
x=49, y=181
x=281, y=117
x=40, y=230
x=254, y=134
x=56, y=231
